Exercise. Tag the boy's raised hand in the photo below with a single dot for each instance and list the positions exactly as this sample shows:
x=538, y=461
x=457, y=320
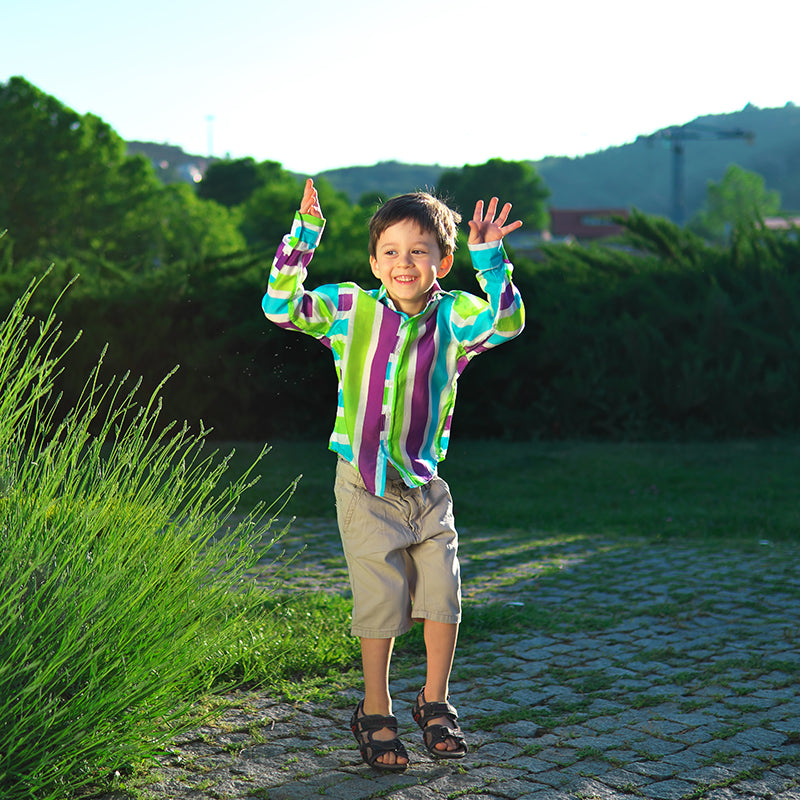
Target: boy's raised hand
x=488, y=229
x=310, y=201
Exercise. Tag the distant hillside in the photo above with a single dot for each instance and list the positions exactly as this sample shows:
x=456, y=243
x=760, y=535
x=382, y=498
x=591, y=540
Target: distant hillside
x=638, y=174
x=172, y=164
x=385, y=179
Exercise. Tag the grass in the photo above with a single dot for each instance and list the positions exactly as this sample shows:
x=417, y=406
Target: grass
x=120, y=600
x=559, y=499
x=742, y=490
x=126, y=554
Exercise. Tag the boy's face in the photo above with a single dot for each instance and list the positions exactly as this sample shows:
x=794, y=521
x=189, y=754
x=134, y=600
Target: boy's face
x=408, y=260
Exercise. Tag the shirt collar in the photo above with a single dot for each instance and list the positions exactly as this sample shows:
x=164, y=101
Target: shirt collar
x=434, y=295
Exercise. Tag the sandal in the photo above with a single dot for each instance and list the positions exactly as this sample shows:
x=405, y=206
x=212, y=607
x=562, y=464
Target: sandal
x=364, y=727
x=436, y=733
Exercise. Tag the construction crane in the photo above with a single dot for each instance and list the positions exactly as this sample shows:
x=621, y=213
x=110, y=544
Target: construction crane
x=677, y=135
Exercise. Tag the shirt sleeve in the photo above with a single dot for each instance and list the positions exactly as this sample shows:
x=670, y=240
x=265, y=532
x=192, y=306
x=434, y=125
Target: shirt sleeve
x=481, y=324
x=286, y=302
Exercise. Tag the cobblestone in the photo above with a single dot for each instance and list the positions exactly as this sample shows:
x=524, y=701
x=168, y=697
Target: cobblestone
x=675, y=676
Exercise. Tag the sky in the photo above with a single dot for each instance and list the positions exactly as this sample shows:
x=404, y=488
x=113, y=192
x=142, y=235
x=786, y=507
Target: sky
x=317, y=85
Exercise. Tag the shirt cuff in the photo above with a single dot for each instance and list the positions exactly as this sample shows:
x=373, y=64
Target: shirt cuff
x=306, y=231
x=488, y=255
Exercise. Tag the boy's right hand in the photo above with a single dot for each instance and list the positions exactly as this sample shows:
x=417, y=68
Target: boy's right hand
x=310, y=202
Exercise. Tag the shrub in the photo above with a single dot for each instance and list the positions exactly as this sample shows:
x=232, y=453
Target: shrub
x=121, y=569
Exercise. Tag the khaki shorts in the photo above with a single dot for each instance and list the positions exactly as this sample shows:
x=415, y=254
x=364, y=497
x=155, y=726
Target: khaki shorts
x=401, y=551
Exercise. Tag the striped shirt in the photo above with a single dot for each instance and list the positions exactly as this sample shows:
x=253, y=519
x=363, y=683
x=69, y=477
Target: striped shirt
x=397, y=374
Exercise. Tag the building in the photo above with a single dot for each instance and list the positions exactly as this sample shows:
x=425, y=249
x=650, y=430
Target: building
x=584, y=224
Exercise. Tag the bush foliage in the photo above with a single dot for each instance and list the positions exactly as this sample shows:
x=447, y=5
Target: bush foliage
x=657, y=336
x=120, y=594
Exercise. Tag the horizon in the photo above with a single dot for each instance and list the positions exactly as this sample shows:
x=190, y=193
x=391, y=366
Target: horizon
x=358, y=84
x=789, y=103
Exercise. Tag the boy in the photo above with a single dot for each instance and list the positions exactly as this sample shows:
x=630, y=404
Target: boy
x=398, y=352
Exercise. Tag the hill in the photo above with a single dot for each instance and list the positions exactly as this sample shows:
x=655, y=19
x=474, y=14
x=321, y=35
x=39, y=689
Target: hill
x=385, y=179
x=637, y=174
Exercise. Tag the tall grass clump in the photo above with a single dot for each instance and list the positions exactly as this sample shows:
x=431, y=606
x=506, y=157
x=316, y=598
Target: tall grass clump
x=121, y=570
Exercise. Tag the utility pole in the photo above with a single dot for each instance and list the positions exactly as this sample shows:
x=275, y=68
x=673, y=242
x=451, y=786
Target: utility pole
x=210, y=134
x=677, y=135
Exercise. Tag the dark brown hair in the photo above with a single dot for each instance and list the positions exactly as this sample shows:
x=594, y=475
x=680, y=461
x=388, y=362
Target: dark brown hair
x=430, y=213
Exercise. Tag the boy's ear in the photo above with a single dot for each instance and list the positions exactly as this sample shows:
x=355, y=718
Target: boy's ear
x=373, y=262
x=444, y=266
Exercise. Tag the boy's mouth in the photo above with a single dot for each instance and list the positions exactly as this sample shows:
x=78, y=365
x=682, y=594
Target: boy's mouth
x=405, y=278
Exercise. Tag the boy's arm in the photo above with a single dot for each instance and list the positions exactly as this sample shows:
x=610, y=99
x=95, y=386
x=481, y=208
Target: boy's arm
x=484, y=324
x=286, y=302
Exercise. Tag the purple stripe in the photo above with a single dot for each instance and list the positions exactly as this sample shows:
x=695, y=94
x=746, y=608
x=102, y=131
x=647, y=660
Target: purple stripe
x=289, y=326
x=291, y=259
x=345, y=300
x=507, y=298
x=307, y=306
x=373, y=409
x=421, y=393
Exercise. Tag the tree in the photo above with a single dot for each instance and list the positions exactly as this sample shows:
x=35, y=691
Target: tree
x=67, y=188
x=268, y=211
x=63, y=177
x=231, y=183
x=740, y=197
x=516, y=182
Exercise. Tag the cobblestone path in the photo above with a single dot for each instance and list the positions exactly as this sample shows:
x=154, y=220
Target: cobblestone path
x=656, y=670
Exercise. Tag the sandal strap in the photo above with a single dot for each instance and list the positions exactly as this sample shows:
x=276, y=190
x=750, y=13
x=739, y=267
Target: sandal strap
x=372, y=750
x=364, y=727
x=369, y=723
x=434, y=734
x=427, y=711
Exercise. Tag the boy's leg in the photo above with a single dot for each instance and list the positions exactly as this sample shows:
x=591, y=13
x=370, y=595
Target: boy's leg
x=376, y=654
x=440, y=645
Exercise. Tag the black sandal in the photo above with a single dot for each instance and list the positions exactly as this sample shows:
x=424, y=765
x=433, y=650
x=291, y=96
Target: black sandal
x=434, y=734
x=364, y=727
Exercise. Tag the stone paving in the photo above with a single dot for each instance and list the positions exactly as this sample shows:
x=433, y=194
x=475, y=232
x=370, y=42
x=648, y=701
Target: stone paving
x=658, y=670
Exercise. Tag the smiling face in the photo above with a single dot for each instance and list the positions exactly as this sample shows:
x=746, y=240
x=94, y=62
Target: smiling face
x=407, y=261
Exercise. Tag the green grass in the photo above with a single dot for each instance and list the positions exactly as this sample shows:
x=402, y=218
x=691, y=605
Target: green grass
x=120, y=600
x=555, y=500
x=127, y=555
x=733, y=490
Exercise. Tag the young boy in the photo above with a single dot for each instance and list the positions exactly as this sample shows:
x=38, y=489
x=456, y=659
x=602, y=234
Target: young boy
x=398, y=351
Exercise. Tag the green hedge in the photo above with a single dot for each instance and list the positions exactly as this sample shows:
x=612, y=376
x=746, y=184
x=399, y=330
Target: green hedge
x=657, y=335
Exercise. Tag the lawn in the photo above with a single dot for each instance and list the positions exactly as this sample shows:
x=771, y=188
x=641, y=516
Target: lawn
x=739, y=489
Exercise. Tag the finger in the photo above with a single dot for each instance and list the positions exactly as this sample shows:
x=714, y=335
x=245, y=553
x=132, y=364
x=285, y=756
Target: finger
x=490, y=211
x=503, y=215
x=309, y=195
x=512, y=227
x=478, y=215
x=310, y=202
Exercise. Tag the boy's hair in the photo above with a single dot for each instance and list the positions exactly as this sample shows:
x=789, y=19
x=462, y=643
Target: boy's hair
x=429, y=212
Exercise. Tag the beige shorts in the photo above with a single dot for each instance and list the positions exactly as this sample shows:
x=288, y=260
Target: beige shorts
x=401, y=551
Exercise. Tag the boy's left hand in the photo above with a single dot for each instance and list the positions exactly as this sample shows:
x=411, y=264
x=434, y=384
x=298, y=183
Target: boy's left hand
x=489, y=229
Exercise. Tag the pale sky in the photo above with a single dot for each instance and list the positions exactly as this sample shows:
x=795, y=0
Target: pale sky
x=317, y=84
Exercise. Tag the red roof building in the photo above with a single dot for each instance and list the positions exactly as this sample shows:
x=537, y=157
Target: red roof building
x=585, y=223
